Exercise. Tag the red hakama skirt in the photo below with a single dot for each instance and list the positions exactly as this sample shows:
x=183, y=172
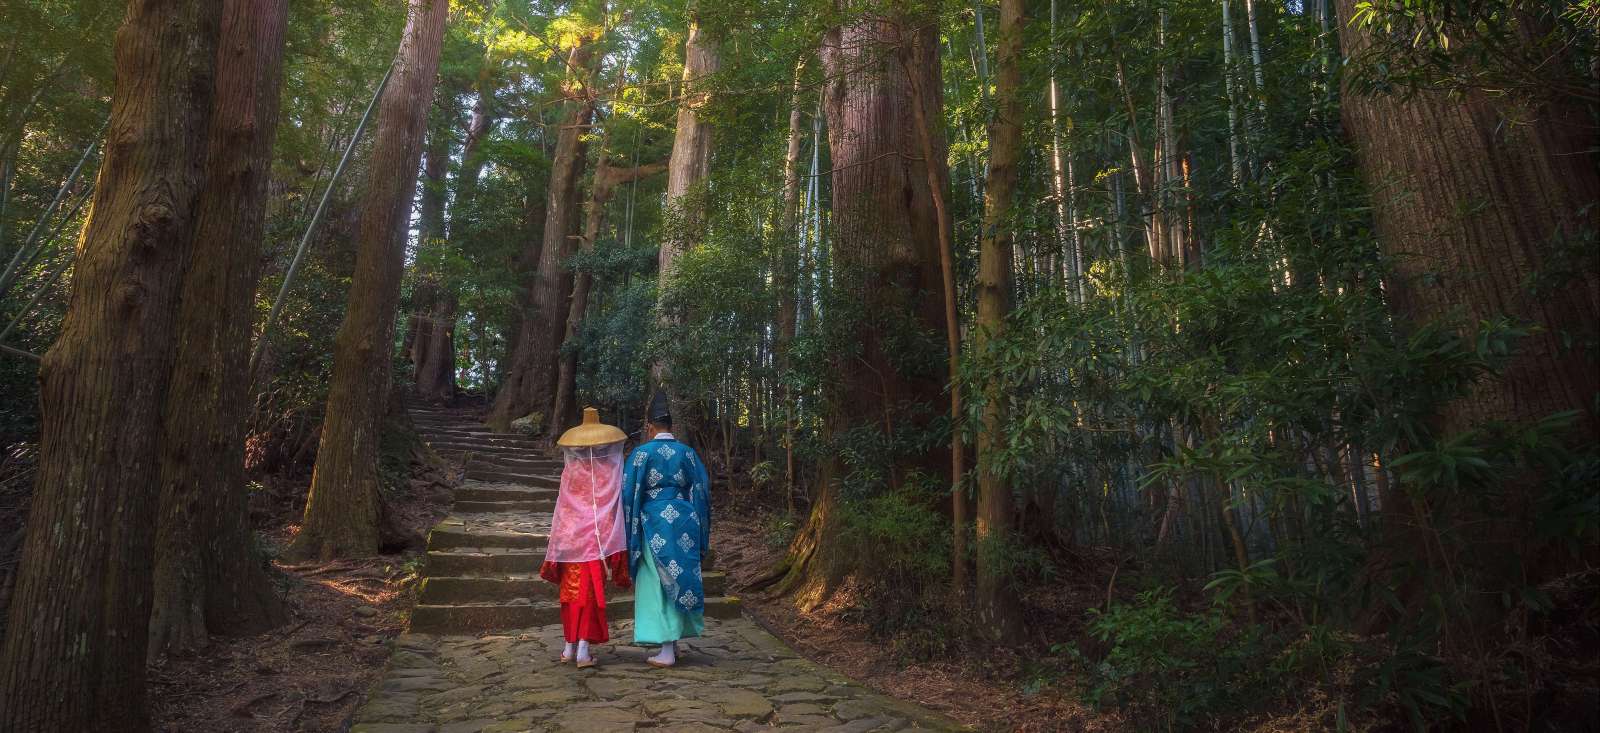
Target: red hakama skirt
x=583, y=595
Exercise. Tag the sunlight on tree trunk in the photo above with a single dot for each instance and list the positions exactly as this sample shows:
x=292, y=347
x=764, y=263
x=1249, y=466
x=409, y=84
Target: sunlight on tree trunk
x=886, y=253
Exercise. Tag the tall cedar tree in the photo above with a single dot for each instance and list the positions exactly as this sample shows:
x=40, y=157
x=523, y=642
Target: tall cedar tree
x=886, y=249
x=433, y=356
x=343, y=510
x=209, y=574
x=687, y=171
x=1473, y=200
x=998, y=611
x=426, y=330
x=531, y=380
x=74, y=656
x=606, y=179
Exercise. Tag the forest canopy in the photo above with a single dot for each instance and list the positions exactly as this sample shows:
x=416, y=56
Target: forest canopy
x=1227, y=361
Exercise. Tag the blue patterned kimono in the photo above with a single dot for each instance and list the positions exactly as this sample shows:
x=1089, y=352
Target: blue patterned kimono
x=666, y=494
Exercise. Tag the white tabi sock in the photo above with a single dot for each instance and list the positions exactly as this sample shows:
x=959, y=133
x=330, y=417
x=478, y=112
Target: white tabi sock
x=583, y=651
x=669, y=653
x=566, y=653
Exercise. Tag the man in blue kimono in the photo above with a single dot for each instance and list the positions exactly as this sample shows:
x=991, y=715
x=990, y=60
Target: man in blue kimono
x=666, y=493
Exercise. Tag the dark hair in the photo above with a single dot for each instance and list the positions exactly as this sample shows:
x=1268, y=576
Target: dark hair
x=661, y=421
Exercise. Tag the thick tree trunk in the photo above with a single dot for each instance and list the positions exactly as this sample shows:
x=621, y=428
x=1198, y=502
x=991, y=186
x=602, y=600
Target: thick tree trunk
x=527, y=260
x=342, y=511
x=530, y=383
x=434, y=364
x=606, y=179
x=687, y=171
x=1472, y=203
x=1480, y=207
x=886, y=249
x=423, y=342
x=691, y=151
x=209, y=575
x=999, y=614
x=436, y=353
x=74, y=656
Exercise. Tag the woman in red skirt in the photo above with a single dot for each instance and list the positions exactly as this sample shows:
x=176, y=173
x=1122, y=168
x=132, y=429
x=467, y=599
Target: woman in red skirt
x=587, y=534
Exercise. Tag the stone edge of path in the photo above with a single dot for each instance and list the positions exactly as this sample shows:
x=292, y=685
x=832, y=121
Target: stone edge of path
x=911, y=710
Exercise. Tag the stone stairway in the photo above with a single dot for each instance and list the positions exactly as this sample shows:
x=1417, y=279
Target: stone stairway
x=482, y=570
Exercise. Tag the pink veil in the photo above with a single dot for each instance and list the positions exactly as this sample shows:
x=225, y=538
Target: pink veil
x=588, y=523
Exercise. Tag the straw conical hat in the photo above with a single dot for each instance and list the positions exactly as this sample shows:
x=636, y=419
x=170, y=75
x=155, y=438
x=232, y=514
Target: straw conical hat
x=591, y=433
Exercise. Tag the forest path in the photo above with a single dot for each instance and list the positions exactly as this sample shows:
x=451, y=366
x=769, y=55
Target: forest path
x=481, y=652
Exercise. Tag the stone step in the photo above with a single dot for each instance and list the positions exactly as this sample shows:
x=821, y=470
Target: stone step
x=433, y=412
x=521, y=478
x=480, y=617
x=427, y=425
x=442, y=426
x=469, y=437
x=455, y=538
x=446, y=590
x=487, y=561
x=521, y=452
x=451, y=435
x=436, y=419
x=516, y=507
x=500, y=492
x=534, y=465
x=488, y=441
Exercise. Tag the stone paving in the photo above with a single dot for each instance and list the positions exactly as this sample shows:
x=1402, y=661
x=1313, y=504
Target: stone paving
x=735, y=678
x=482, y=653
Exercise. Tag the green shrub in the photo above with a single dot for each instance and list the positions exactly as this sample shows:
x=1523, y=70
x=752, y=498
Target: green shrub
x=1168, y=668
x=899, y=550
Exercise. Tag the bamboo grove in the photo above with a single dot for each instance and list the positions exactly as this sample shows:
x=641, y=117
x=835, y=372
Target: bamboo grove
x=1273, y=324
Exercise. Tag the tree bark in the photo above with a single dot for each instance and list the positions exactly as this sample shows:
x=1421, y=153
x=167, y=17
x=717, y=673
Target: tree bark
x=74, y=657
x=1480, y=207
x=436, y=359
x=687, y=170
x=1471, y=201
x=423, y=341
x=209, y=576
x=691, y=150
x=343, y=509
x=435, y=363
x=999, y=613
x=530, y=384
x=886, y=250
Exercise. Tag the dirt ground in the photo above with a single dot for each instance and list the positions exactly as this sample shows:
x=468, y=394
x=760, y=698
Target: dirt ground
x=311, y=673
x=1004, y=689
